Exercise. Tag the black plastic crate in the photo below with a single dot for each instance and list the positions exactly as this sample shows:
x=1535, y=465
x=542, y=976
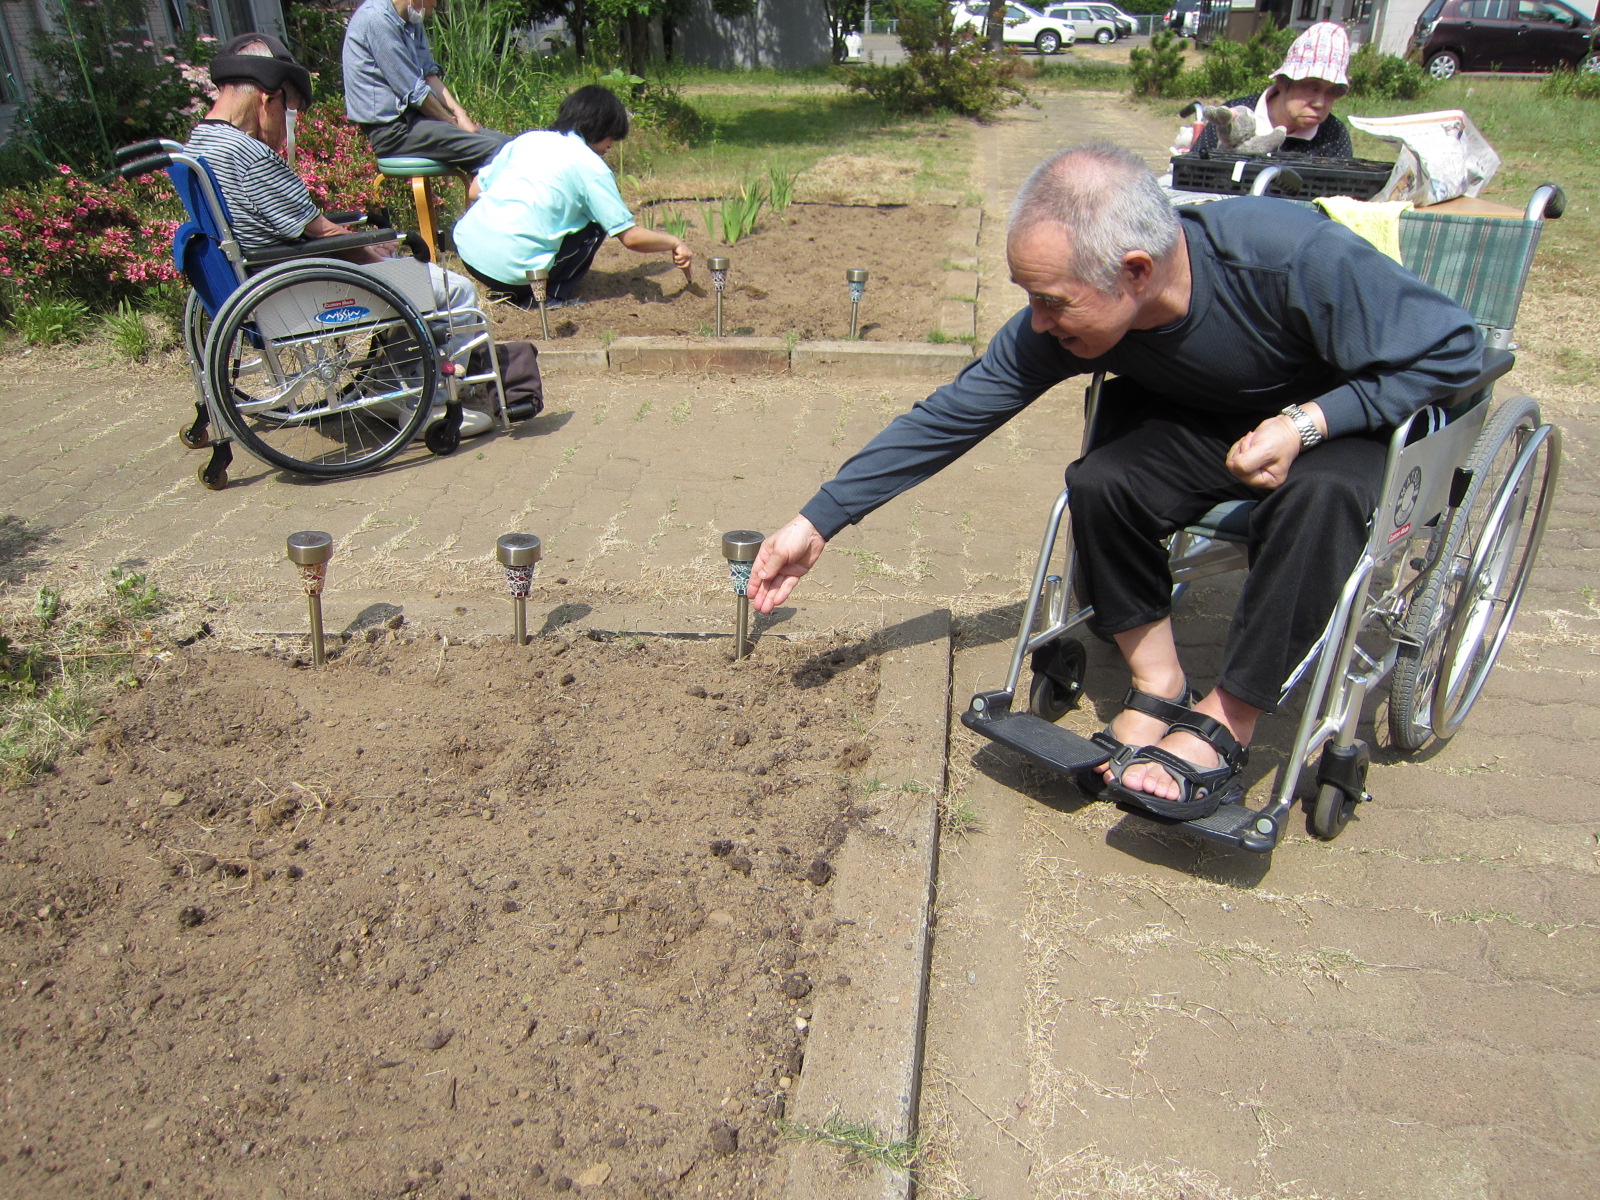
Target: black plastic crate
x=1233, y=174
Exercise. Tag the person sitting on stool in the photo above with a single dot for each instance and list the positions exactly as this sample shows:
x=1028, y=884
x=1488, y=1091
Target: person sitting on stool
x=394, y=89
x=548, y=200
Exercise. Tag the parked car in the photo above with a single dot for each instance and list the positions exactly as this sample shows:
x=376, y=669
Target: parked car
x=1085, y=24
x=1183, y=18
x=1203, y=20
x=1502, y=35
x=1024, y=26
x=1126, y=25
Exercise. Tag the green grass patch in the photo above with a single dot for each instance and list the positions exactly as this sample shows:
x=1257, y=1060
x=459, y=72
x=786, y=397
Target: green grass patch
x=858, y=1139
x=60, y=662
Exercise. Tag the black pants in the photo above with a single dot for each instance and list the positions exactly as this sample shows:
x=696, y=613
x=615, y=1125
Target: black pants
x=1156, y=468
x=414, y=135
x=571, y=264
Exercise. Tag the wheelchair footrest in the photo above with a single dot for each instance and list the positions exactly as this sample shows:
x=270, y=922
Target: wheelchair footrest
x=1231, y=825
x=1035, y=737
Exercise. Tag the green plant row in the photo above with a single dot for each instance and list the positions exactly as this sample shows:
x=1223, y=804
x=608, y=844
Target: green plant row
x=1229, y=69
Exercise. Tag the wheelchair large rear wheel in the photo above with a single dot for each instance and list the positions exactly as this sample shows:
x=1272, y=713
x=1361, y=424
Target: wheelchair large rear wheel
x=1462, y=611
x=321, y=369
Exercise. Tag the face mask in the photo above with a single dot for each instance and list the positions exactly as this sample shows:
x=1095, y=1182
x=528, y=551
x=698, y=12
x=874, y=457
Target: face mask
x=414, y=14
x=288, y=146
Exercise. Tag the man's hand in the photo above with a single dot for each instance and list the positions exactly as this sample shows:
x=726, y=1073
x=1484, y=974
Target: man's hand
x=1262, y=457
x=782, y=560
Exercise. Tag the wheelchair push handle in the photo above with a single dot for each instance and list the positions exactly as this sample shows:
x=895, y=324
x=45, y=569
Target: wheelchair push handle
x=139, y=150
x=1548, y=201
x=144, y=166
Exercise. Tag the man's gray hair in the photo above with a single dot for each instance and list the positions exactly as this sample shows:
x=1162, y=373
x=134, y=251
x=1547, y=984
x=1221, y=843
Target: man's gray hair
x=1106, y=201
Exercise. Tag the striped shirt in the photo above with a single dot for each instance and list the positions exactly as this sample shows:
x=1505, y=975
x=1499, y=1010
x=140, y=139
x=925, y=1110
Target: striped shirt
x=268, y=205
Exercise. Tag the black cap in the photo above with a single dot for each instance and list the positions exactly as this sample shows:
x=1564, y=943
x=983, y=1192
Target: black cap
x=270, y=74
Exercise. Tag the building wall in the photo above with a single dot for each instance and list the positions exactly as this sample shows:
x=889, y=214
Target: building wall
x=780, y=33
x=23, y=18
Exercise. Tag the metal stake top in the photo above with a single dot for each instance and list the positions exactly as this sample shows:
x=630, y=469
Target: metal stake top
x=717, y=264
x=518, y=550
x=856, y=275
x=740, y=545
x=310, y=547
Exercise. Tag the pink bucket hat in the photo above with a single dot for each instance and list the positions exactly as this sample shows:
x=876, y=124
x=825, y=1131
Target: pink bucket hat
x=1321, y=52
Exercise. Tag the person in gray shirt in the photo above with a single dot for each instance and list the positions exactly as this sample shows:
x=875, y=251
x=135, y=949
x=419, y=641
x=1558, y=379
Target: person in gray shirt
x=394, y=89
x=1261, y=352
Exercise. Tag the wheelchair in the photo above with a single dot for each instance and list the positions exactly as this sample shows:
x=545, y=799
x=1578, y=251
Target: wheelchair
x=314, y=365
x=1465, y=497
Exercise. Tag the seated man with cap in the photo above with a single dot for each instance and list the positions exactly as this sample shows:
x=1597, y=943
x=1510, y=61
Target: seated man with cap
x=260, y=90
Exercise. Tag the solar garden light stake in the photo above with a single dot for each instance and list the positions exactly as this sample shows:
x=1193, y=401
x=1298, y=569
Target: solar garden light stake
x=719, y=280
x=518, y=553
x=857, y=278
x=739, y=548
x=536, y=282
x=310, y=551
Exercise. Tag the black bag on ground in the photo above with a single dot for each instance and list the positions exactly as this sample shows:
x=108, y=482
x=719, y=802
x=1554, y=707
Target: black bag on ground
x=519, y=371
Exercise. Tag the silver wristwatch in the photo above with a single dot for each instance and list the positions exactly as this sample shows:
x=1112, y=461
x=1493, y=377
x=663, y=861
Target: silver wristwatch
x=1310, y=435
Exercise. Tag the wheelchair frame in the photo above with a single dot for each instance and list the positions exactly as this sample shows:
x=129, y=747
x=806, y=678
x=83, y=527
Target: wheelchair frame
x=291, y=348
x=1463, y=506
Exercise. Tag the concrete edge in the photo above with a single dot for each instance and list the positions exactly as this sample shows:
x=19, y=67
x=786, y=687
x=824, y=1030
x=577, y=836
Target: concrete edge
x=743, y=356
x=864, y=1047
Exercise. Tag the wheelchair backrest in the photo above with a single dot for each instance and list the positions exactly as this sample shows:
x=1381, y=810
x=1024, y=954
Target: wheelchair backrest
x=1479, y=262
x=197, y=247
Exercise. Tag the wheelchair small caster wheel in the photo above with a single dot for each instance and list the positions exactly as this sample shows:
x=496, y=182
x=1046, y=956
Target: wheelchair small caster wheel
x=194, y=437
x=443, y=437
x=211, y=480
x=1058, y=671
x=1331, y=812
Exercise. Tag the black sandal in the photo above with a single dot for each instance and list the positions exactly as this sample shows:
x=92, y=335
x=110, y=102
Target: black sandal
x=1204, y=791
x=1090, y=781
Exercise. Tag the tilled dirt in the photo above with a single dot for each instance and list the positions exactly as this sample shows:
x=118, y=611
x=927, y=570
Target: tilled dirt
x=437, y=920
x=785, y=279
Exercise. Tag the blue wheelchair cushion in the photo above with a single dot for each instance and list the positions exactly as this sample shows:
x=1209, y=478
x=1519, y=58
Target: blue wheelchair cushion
x=1227, y=522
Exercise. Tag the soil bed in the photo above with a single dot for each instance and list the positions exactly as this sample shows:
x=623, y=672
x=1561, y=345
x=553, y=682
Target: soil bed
x=442, y=921
x=785, y=279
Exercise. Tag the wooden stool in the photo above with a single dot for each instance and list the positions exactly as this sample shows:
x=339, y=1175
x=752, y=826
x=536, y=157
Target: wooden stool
x=421, y=172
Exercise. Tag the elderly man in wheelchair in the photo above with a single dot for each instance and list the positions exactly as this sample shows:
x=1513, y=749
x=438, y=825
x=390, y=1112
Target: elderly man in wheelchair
x=1262, y=353
x=315, y=366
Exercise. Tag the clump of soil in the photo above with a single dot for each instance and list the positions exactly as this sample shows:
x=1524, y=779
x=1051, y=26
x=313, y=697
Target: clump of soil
x=787, y=278
x=440, y=921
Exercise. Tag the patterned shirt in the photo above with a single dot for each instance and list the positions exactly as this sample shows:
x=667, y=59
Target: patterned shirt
x=268, y=205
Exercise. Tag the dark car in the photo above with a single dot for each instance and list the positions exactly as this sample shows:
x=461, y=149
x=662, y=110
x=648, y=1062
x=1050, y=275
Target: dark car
x=1502, y=35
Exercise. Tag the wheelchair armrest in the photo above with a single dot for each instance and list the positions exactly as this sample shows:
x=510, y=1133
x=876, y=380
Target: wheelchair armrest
x=1496, y=363
x=317, y=247
x=351, y=217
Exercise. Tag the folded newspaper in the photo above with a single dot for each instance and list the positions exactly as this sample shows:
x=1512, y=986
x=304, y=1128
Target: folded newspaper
x=1442, y=156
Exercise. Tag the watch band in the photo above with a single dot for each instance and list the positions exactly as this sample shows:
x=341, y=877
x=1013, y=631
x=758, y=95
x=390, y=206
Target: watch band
x=1310, y=435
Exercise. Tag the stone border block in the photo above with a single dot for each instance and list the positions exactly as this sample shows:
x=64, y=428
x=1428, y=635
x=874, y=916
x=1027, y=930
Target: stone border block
x=734, y=356
x=880, y=358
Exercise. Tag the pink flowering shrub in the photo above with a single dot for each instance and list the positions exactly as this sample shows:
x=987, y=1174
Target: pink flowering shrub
x=71, y=238
x=335, y=161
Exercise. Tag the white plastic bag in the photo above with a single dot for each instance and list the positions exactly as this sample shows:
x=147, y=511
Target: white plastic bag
x=1442, y=156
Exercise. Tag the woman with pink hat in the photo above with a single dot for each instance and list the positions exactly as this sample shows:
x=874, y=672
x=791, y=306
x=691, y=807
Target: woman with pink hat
x=1301, y=97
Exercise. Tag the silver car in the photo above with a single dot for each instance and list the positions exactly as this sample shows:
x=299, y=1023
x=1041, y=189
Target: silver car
x=1086, y=23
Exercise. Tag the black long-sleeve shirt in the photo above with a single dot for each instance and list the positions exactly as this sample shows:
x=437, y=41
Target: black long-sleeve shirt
x=1286, y=307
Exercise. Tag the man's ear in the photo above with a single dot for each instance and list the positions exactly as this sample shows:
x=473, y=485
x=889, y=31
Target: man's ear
x=1138, y=269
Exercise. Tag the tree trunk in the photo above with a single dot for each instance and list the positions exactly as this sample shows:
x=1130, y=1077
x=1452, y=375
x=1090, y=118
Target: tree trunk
x=995, y=25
